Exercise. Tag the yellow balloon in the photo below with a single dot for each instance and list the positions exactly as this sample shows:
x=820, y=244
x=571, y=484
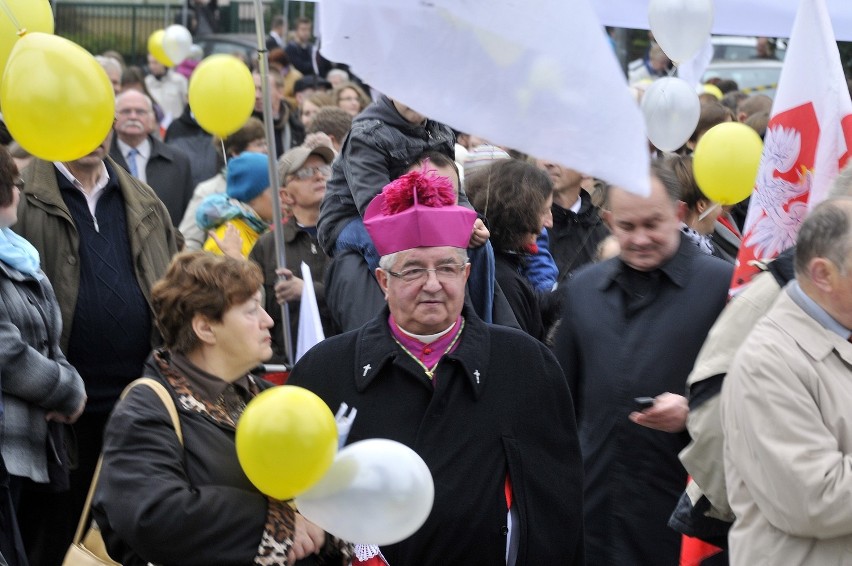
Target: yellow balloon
x=221, y=94
x=31, y=15
x=726, y=161
x=57, y=101
x=155, y=48
x=714, y=90
x=286, y=441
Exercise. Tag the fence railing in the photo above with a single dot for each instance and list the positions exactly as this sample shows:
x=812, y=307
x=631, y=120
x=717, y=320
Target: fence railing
x=125, y=28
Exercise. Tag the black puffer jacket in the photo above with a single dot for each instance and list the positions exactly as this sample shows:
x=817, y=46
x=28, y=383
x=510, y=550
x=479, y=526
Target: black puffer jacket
x=379, y=148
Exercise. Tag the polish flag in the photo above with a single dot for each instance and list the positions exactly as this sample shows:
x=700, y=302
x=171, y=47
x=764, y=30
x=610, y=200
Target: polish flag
x=807, y=142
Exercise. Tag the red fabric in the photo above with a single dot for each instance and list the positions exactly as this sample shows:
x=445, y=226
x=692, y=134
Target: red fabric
x=727, y=223
x=374, y=561
x=277, y=377
x=693, y=551
x=507, y=489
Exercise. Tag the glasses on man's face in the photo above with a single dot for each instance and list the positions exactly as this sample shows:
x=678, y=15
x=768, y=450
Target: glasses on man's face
x=18, y=183
x=446, y=272
x=306, y=173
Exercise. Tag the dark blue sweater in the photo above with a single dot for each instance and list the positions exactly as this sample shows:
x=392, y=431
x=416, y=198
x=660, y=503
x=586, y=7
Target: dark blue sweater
x=111, y=330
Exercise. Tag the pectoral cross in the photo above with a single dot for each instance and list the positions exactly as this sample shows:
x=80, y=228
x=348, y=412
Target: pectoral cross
x=476, y=375
x=366, y=369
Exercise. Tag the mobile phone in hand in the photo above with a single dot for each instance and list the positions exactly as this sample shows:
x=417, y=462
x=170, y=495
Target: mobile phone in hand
x=643, y=403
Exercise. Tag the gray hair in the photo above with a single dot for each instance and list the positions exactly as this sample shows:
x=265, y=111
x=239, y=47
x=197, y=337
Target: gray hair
x=842, y=184
x=124, y=94
x=825, y=233
x=386, y=262
x=337, y=73
x=109, y=64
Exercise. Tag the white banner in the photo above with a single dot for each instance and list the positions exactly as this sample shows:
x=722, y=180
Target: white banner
x=769, y=18
x=538, y=77
x=310, y=325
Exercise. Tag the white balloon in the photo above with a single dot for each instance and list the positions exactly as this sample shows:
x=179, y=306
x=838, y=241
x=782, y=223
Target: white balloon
x=177, y=43
x=671, y=109
x=377, y=491
x=681, y=27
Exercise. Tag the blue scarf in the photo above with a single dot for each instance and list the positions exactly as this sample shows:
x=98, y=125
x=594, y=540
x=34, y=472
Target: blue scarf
x=19, y=253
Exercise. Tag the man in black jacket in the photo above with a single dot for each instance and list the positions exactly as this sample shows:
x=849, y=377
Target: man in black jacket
x=577, y=225
x=485, y=406
x=632, y=327
x=384, y=141
x=162, y=167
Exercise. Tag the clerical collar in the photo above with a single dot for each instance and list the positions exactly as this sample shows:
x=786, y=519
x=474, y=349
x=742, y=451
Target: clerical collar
x=426, y=338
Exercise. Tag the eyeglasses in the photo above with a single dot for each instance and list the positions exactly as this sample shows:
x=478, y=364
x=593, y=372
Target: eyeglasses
x=446, y=272
x=306, y=173
x=18, y=183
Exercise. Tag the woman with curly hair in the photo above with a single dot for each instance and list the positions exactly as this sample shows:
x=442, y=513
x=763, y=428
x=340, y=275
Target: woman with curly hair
x=166, y=502
x=515, y=198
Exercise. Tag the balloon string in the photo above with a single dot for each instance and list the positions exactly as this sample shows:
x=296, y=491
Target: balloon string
x=224, y=155
x=9, y=13
x=707, y=211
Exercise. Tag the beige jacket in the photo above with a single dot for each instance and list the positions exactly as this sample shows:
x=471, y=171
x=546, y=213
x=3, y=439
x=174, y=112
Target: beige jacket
x=702, y=457
x=788, y=442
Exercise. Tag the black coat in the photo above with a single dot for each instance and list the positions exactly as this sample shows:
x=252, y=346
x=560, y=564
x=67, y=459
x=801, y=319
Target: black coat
x=499, y=404
x=379, y=148
x=574, y=237
x=165, y=503
x=170, y=502
x=610, y=356
x=522, y=298
x=299, y=246
x=186, y=135
x=168, y=172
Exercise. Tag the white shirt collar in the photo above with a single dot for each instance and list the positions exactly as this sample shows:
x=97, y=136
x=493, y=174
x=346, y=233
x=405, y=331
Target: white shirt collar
x=143, y=148
x=575, y=208
x=100, y=184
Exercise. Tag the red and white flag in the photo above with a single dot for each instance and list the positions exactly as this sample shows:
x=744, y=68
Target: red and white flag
x=807, y=141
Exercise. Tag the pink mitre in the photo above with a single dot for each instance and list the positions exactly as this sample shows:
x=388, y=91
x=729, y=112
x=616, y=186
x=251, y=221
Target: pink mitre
x=418, y=210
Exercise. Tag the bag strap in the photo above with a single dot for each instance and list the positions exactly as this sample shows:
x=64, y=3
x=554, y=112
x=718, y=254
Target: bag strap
x=167, y=400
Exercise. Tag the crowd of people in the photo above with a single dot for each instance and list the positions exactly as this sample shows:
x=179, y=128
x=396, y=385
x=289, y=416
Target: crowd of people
x=553, y=347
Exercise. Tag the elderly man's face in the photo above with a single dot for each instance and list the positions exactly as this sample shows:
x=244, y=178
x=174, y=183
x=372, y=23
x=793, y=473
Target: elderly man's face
x=647, y=229
x=133, y=115
x=306, y=187
x=432, y=304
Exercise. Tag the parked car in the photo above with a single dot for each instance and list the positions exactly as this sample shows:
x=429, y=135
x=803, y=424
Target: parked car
x=756, y=75
x=243, y=43
x=738, y=48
